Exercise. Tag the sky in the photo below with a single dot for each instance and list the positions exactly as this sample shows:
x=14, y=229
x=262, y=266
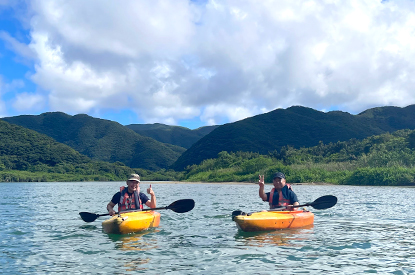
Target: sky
x=204, y=62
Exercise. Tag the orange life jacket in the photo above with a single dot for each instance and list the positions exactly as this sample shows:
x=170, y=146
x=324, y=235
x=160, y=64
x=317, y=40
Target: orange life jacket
x=127, y=202
x=281, y=200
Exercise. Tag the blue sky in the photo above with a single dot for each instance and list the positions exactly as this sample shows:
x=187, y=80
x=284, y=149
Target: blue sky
x=208, y=62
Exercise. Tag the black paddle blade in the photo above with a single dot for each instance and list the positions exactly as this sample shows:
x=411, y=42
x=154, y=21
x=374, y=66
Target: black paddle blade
x=237, y=213
x=88, y=217
x=182, y=206
x=324, y=202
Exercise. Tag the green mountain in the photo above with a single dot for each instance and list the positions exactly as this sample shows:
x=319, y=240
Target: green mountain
x=102, y=139
x=297, y=127
x=176, y=135
x=22, y=149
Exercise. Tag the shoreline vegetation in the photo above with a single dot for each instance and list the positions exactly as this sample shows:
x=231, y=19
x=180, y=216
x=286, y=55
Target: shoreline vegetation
x=231, y=183
x=146, y=182
x=383, y=160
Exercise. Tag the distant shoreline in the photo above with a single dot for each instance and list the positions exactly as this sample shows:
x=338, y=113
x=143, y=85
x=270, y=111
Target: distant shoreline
x=313, y=183
x=231, y=183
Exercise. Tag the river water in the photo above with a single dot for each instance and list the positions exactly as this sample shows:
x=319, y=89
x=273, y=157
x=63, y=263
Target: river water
x=370, y=230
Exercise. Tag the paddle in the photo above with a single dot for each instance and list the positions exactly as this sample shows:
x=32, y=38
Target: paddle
x=180, y=206
x=321, y=203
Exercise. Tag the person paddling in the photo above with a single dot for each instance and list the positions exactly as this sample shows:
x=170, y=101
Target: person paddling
x=130, y=197
x=280, y=195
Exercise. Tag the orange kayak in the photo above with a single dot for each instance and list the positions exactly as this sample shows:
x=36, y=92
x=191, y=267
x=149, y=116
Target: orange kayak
x=129, y=222
x=273, y=220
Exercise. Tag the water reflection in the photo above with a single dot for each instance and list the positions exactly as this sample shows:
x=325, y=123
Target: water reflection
x=285, y=237
x=89, y=227
x=136, y=265
x=144, y=241
x=361, y=234
x=135, y=241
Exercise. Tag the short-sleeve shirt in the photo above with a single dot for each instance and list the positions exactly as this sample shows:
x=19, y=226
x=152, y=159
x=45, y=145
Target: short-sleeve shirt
x=286, y=193
x=116, y=198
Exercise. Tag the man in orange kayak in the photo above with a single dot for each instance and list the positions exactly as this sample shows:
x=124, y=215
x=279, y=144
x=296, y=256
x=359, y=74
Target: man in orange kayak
x=130, y=197
x=281, y=195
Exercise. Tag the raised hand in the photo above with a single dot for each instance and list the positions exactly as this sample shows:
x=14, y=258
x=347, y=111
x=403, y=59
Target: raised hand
x=150, y=190
x=261, y=181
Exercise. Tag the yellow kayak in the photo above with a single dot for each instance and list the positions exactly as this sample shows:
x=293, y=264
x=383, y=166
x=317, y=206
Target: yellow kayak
x=129, y=222
x=273, y=220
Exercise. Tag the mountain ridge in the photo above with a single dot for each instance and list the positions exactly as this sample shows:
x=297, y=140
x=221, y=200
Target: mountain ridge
x=176, y=135
x=296, y=126
x=101, y=139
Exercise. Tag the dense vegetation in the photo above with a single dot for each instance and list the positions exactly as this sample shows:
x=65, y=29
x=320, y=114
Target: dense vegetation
x=26, y=155
x=297, y=127
x=387, y=159
x=102, y=140
x=384, y=159
x=175, y=135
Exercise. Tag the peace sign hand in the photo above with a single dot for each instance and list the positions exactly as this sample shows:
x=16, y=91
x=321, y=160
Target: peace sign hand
x=261, y=181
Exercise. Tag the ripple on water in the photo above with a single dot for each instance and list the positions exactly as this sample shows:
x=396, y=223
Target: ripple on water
x=361, y=234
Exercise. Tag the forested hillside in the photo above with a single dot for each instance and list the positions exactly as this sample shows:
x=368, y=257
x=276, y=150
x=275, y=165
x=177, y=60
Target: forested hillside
x=175, y=135
x=343, y=149
x=387, y=159
x=297, y=127
x=26, y=155
x=102, y=139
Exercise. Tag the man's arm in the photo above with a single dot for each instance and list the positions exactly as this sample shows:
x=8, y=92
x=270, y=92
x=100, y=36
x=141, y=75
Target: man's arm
x=295, y=201
x=110, y=208
x=152, y=203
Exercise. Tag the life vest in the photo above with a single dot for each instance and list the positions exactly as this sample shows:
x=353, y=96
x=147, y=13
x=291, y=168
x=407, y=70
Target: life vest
x=281, y=200
x=126, y=202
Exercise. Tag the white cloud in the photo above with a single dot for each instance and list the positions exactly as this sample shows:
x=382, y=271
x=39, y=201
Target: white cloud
x=223, y=61
x=11, y=86
x=6, y=87
x=25, y=101
x=214, y=114
x=13, y=44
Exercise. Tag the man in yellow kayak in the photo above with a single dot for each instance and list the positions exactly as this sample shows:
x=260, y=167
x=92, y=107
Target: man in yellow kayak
x=281, y=195
x=130, y=197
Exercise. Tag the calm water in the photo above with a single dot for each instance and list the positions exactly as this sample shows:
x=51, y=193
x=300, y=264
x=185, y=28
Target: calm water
x=370, y=230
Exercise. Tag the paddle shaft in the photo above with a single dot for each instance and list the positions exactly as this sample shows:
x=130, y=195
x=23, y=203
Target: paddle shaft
x=294, y=206
x=302, y=205
x=180, y=206
x=324, y=202
x=137, y=210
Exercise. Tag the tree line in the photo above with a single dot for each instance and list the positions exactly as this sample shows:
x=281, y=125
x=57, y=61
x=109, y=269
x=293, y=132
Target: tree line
x=386, y=159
